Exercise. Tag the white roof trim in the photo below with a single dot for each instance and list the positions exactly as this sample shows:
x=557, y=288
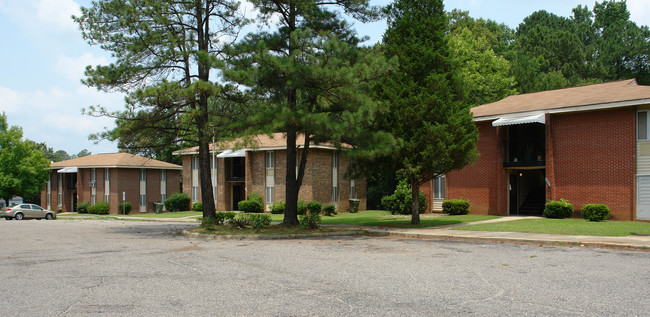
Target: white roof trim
x=268, y=148
x=519, y=120
x=600, y=106
x=71, y=169
x=230, y=153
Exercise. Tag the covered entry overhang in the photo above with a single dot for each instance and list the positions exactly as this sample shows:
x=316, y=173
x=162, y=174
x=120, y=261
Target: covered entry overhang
x=540, y=118
x=67, y=170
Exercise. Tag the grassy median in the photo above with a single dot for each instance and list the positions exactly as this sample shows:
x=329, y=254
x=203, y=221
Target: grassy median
x=565, y=226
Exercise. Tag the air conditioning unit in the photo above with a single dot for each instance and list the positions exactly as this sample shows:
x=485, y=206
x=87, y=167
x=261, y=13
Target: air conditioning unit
x=92, y=184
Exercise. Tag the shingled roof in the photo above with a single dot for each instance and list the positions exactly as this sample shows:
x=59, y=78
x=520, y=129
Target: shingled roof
x=606, y=95
x=124, y=160
x=260, y=142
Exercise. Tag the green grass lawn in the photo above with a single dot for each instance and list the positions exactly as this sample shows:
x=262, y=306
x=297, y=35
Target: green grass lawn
x=385, y=219
x=565, y=226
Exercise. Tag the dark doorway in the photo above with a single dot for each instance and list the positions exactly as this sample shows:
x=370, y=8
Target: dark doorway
x=237, y=195
x=527, y=194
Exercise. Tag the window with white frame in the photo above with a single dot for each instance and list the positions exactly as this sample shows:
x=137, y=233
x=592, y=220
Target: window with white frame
x=93, y=188
x=163, y=185
x=143, y=190
x=195, y=162
x=439, y=187
x=642, y=126
x=353, y=189
x=335, y=177
x=107, y=185
x=269, y=158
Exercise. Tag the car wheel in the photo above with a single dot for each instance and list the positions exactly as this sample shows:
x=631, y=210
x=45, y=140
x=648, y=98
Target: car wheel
x=48, y=216
x=18, y=216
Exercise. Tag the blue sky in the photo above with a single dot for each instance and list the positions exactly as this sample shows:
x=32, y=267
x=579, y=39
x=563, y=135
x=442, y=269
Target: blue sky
x=43, y=58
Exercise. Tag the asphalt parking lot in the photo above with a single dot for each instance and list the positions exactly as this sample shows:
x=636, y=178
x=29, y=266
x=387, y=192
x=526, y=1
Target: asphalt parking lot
x=71, y=268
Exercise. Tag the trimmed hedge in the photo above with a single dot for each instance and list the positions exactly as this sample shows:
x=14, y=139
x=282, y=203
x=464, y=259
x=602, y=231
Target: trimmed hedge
x=197, y=206
x=100, y=208
x=125, y=208
x=278, y=207
x=595, y=212
x=558, y=209
x=82, y=207
x=455, y=207
x=314, y=207
x=249, y=206
x=329, y=210
x=178, y=202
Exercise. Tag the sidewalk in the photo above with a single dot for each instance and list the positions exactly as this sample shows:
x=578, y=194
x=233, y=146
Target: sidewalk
x=446, y=233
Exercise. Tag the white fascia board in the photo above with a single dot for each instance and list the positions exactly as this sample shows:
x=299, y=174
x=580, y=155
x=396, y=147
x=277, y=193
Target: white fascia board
x=601, y=106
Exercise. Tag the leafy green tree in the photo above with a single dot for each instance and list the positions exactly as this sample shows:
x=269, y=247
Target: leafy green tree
x=165, y=54
x=486, y=75
x=623, y=48
x=23, y=168
x=433, y=126
x=308, y=76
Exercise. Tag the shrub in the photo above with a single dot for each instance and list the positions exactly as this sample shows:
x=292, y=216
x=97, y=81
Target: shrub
x=329, y=210
x=209, y=222
x=239, y=222
x=278, y=208
x=197, y=206
x=178, y=202
x=125, y=208
x=82, y=207
x=255, y=197
x=310, y=221
x=314, y=207
x=100, y=208
x=249, y=206
x=302, y=207
x=222, y=217
x=455, y=207
x=595, y=212
x=400, y=202
x=558, y=209
x=259, y=221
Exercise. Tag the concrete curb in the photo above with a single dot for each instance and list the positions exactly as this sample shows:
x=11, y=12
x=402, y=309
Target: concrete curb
x=195, y=235
x=512, y=240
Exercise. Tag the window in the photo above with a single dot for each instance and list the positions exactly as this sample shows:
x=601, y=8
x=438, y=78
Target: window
x=642, y=125
x=269, y=159
x=335, y=160
x=163, y=176
x=335, y=194
x=93, y=175
x=93, y=183
x=439, y=187
x=195, y=162
x=353, y=189
x=143, y=200
x=163, y=197
x=195, y=193
x=269, y=194
x=143, y=175
x=107, y=185
x=59, y=198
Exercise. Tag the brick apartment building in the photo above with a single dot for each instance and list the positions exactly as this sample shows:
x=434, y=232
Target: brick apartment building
x=588, y=144
x=262, y=169
x=114, y=177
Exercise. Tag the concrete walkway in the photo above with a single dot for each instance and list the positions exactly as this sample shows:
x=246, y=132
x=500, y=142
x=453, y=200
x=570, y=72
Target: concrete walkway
x=446, y=233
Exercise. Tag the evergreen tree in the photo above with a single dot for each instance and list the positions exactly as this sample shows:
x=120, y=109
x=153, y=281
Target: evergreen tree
x=308, y=76
x=427, y=114
x=166, y=52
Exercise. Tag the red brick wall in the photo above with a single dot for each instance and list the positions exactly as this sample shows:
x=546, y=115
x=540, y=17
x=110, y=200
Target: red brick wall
x=594, y=159
x=255, y=173
x=483, y=183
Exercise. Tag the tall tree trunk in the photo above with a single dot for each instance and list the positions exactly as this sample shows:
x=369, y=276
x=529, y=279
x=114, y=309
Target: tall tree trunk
x=207, y=198
x=415, y=195
x=292, y=188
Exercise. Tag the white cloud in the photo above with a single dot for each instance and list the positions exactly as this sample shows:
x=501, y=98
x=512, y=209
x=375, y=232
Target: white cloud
x=74, y=68
x=9, y=100
x=58, y=13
